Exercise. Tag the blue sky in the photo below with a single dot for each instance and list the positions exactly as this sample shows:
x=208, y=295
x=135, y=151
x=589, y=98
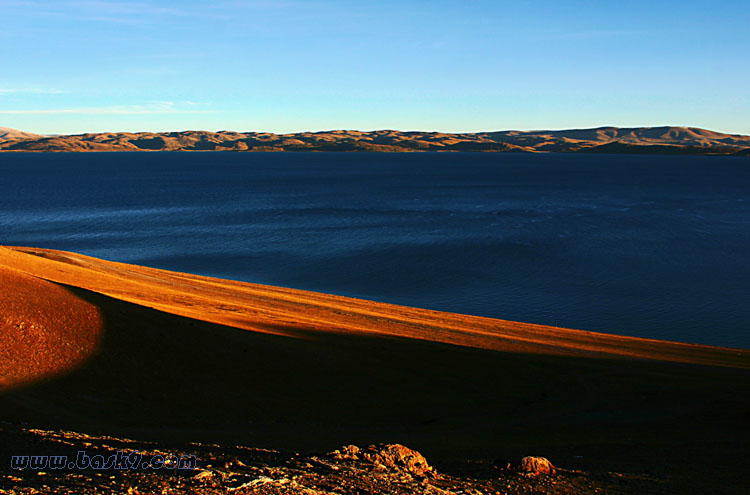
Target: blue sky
x=71, y=66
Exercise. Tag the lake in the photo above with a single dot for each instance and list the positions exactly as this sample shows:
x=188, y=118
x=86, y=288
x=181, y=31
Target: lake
x=649, y=246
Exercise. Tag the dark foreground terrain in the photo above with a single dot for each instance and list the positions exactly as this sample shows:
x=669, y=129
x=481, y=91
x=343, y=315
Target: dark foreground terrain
x=224, y=370
x=221, y=469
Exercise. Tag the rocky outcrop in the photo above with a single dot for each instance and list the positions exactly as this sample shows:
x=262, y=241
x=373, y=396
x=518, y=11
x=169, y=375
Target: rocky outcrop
x=529, y=465
x=536, y=465
x=393, y=457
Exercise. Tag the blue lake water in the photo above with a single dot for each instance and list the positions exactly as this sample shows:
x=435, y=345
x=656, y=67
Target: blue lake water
x=651, y=246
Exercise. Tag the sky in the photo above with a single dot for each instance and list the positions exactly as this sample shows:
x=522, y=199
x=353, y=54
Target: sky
x=74, y=66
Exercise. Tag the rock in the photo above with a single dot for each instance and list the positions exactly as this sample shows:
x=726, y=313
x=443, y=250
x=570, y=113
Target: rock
x=203, y=474
x=347, y=452
x=388, y=457
x=399, y=458
x=536, y=466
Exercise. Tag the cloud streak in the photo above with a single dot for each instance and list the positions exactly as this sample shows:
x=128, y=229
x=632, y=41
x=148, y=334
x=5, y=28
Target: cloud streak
x=35, y=91
x=139, y=12
x=611, y=33
x=158, y=108
x=114, y=12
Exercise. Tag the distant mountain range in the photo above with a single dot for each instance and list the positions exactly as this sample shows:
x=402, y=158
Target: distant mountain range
x=653, y=140
x=7, y=134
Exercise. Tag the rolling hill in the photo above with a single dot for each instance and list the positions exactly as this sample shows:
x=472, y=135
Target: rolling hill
x=658, y=140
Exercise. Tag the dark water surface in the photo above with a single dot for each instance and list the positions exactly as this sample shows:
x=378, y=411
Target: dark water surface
x=651, y=246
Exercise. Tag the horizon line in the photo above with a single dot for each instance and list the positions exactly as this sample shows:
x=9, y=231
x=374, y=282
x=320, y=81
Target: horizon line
x=383, y=129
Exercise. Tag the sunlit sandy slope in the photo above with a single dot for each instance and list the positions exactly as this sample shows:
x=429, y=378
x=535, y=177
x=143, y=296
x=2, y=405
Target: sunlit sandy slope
x=285, y=311
x=45, y=330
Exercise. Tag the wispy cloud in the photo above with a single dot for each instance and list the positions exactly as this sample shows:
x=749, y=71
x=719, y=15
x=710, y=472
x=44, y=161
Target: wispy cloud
x=267, y=4
x=119, y=12
x=161, y=107
x=139, y=12
x=610, y=33
x=35, y=91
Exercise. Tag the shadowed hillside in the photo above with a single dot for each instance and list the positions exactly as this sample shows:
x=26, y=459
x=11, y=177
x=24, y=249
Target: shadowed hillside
x=659, y=140
x=181, y=358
